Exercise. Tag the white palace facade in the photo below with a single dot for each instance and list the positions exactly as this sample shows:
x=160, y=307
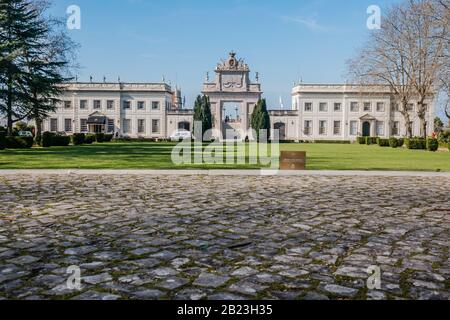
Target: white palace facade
x=155, y=110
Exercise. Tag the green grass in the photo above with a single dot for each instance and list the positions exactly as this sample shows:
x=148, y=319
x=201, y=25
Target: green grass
x=158, y=156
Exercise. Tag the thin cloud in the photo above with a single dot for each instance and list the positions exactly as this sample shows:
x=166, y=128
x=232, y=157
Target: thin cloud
x=309, y=23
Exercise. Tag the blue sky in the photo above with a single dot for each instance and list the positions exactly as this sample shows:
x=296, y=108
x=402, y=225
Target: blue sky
x=142, y=40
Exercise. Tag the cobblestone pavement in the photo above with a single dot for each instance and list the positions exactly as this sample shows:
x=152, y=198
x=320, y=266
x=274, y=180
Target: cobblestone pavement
x=202, y=237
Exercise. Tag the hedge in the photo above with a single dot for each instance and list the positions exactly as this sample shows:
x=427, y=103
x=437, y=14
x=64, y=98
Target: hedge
x=108, y=137
x=371, y=140
x=13, y=142
x=361, y=140
x=432, y=145
x=46, y=140
x=383, y=142
x=400, y=142
x=2, y=140
x=393, y=142
x=78, y=139
x=89, y=138
x=60, y=141
x=100, y=137
x=416, y=144
x=333, y=141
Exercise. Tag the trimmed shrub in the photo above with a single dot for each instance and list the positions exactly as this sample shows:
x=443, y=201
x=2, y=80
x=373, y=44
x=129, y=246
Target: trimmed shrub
x=108, y=137
x=393, y=142
x=60, y=141
x=2, y=140
x=78, y=139
x=100, y=137
x=333, y=141
x=361, y=140
x=383, y=142
x=371, y=140
x=416, y=144
x=89, y=138
x=46, y=140
x=400, y=142
x=13, y=142
x=432, y=145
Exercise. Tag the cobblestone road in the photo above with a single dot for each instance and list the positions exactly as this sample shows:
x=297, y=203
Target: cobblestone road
x=201, y=237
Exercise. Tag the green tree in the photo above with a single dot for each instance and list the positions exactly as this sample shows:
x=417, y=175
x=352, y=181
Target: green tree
x=33, y=58
x=438, y=124
x=202, y=114
x=260, y=119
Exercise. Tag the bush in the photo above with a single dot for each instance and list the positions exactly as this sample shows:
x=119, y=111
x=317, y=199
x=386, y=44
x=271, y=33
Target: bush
x=361, y=140
x=383, y=142
x=108, y=137
x=432, y=145
x=393, y=142
x=400, y=142
x=2, y=140
x=78, y=139
x=333, y=141
x=100, y=137
x=89, y=138
x=13, y=142
x=46, y=140
x=60, y=141
x=416, y=144
x=371, y=140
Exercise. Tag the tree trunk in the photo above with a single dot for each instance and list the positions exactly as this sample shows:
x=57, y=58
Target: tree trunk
x=9, y=110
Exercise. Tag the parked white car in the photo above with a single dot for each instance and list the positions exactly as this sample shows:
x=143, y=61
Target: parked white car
x=25, y=134
x=181, y=135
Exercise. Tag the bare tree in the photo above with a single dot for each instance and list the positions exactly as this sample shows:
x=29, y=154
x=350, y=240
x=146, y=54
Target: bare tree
x=426, y=34
x=385, y=61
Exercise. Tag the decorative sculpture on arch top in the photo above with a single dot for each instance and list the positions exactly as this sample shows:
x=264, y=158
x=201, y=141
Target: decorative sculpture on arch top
x=232, y=64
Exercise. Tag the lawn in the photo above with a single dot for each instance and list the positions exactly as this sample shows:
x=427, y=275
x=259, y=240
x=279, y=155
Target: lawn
x=158, y=156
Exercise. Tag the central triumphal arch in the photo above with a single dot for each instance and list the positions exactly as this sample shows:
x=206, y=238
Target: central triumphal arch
x=232, y=85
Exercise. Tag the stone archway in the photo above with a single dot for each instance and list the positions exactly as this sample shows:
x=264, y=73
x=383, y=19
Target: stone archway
x=281, y=127
x=184, y=125
x=232, y=84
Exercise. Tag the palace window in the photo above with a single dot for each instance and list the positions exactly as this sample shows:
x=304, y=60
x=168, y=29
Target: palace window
x=380, y=107
x=155, y=105
x=410, y=107
x=155, y=126
x=380, y=128
x=308, y=106
x=97, y=104
x=67, y=104
x=353, y=128
x=68, y=125
x=54, y=125
x=141, y=105
x=354, y=107
x=338, y=107
x=322, y=127
x=126, y=126
x=308, y=127
x=337, y=128
x=323, y=107
x=111, y=126
x=396, y=128
x=83, y=125
x=127, y=105
x=110, y=104
x=141, y=126
x=367, y=106
x=83, y=104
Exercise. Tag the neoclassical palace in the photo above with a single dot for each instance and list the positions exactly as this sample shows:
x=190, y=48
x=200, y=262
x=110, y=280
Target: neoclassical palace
x=155, y=110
